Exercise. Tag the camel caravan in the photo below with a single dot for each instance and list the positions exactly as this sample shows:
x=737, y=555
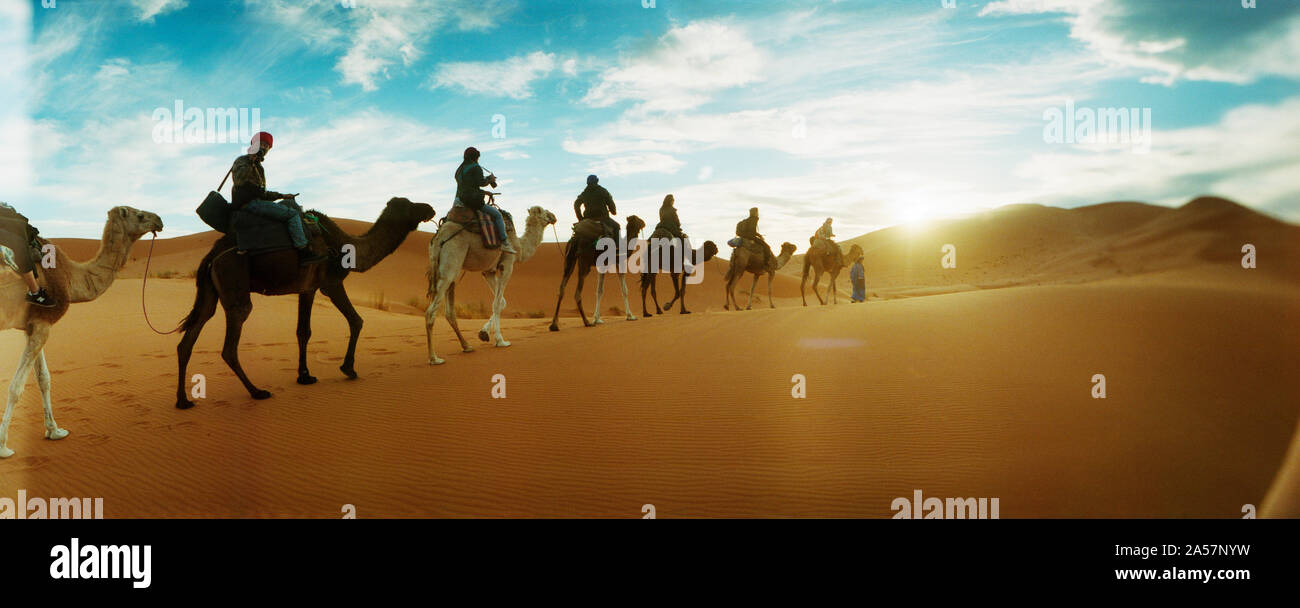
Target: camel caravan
x=271, y=246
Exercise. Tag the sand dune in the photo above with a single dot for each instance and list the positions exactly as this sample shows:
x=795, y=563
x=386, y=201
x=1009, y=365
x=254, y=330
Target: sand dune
x=975, y=393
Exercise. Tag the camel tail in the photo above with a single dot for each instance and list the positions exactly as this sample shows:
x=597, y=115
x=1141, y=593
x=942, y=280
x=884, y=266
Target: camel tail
x=203, y=282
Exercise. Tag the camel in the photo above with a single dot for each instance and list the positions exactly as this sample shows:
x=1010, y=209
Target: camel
x=454, y=250
x=581, y=251
x=655, y=250
x=227, y=276
x=830, y=260
x=744, y=259
x=68, y=282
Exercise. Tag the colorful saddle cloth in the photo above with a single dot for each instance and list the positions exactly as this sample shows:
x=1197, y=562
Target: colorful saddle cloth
x=479, y=222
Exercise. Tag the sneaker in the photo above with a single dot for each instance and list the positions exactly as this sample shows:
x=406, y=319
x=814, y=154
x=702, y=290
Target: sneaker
x=307, y=257
x=40, y=298
x=506, y=248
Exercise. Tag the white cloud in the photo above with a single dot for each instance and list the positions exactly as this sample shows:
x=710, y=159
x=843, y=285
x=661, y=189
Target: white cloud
x=149, y=9
x=1179, y=40
x=637, y=163
x=682, y=69
x=512, y=77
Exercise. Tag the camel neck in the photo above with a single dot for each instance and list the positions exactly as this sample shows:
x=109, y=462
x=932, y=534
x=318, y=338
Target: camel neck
x=88, y=280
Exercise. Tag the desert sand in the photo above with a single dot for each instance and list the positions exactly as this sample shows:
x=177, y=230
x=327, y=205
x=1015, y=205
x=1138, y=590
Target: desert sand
x=967, y=382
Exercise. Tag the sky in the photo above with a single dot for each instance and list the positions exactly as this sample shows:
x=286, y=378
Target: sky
x=874, y=112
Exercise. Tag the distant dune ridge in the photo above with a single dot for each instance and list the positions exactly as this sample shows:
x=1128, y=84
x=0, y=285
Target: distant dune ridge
x=981, y=388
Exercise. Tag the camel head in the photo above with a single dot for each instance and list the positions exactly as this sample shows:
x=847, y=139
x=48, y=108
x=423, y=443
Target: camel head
x=634, y=225
x=710, y=249
x=540, y=216
x=134, y=222
x=788, y=248
x=406, y=213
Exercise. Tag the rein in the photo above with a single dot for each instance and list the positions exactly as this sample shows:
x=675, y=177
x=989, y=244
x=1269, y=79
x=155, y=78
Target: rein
x=145, y=281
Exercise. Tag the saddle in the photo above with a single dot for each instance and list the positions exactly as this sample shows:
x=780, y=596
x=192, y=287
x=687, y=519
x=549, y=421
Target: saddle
x=257, y=235
x=591, y=230
x=480, y=223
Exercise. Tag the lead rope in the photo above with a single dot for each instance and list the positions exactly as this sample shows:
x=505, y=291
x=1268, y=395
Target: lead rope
x=144, y=282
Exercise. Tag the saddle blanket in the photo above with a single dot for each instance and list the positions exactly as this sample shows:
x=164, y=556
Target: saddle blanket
x=479, y=222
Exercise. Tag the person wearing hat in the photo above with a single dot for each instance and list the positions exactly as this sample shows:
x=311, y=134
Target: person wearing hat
x=469, y=183
x=748, y=229
x=595, y=202
x=824, y=235
x=249, y=193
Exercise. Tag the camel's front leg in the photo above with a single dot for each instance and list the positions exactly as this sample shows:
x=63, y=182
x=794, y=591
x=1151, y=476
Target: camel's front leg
x=817, y=278
x=452, y=320
x=583, y=269
x=305, y=301
x=749, y=304
x=499, y=303
x=339, y=296
x=52, y=430
x=771, y=276
x=35, y=344
x=490, y=277
x=622, y=286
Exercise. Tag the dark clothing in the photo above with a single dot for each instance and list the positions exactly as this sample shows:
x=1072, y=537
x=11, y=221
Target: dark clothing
x=249, y=182
x=18, y=244
x=748, y=229
x=594, y=202
x=668, y=221
x=469, y=180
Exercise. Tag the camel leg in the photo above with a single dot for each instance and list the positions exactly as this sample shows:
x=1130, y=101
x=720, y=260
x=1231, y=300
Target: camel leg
x=569, y=259
x=339, y=296
x=817, y=277
x=622, y=287
x=645, y=286
x=771, y=276
x=236, y=313
x=831, y=292
x=490, y=277
x=431, y=317
x=52, y=430
x=453, y=322
x=205, y=306
x=803, y=283
x=600, y=293
x=577, y=296
x=654, y=292
x=749, y=304
x=31, y=353
x=499, y=302
x=305, y=301
x=679, y=283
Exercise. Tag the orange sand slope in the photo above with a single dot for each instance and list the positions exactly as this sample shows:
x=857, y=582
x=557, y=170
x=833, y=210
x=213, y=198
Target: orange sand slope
x=975, y=394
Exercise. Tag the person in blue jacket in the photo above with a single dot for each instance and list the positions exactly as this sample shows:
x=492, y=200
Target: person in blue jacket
x=858, y=276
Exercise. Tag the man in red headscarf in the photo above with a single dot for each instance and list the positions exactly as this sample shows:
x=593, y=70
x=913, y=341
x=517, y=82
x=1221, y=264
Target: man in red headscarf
x=249, y=194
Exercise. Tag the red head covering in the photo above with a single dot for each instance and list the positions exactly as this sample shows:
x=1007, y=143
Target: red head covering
x=256, y=143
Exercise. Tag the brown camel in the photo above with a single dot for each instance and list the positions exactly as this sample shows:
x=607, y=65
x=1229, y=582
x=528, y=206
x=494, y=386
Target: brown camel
x=454, y=250
x=664, y=250
x=745, y=259
x=581, y=251
x=228, y=276
x=67, y=282
x=830, y=259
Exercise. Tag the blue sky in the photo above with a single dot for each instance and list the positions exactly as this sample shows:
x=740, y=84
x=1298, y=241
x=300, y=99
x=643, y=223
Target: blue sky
x=873, y=112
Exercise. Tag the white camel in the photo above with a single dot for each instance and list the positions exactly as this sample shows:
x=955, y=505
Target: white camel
x=455, y=249
x=67, y=282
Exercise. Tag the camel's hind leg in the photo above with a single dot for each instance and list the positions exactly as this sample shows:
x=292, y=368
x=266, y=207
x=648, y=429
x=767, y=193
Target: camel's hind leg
x=31, y=354
x=600, y=293
x=52, y=430
x=451, y=319
x=583, y=269
x=431, y=317
x=204, y=308
x=236, y=313
x=622, y=287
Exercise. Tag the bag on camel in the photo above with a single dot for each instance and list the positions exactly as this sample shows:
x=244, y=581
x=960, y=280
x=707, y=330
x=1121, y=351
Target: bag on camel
x=215, y=210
